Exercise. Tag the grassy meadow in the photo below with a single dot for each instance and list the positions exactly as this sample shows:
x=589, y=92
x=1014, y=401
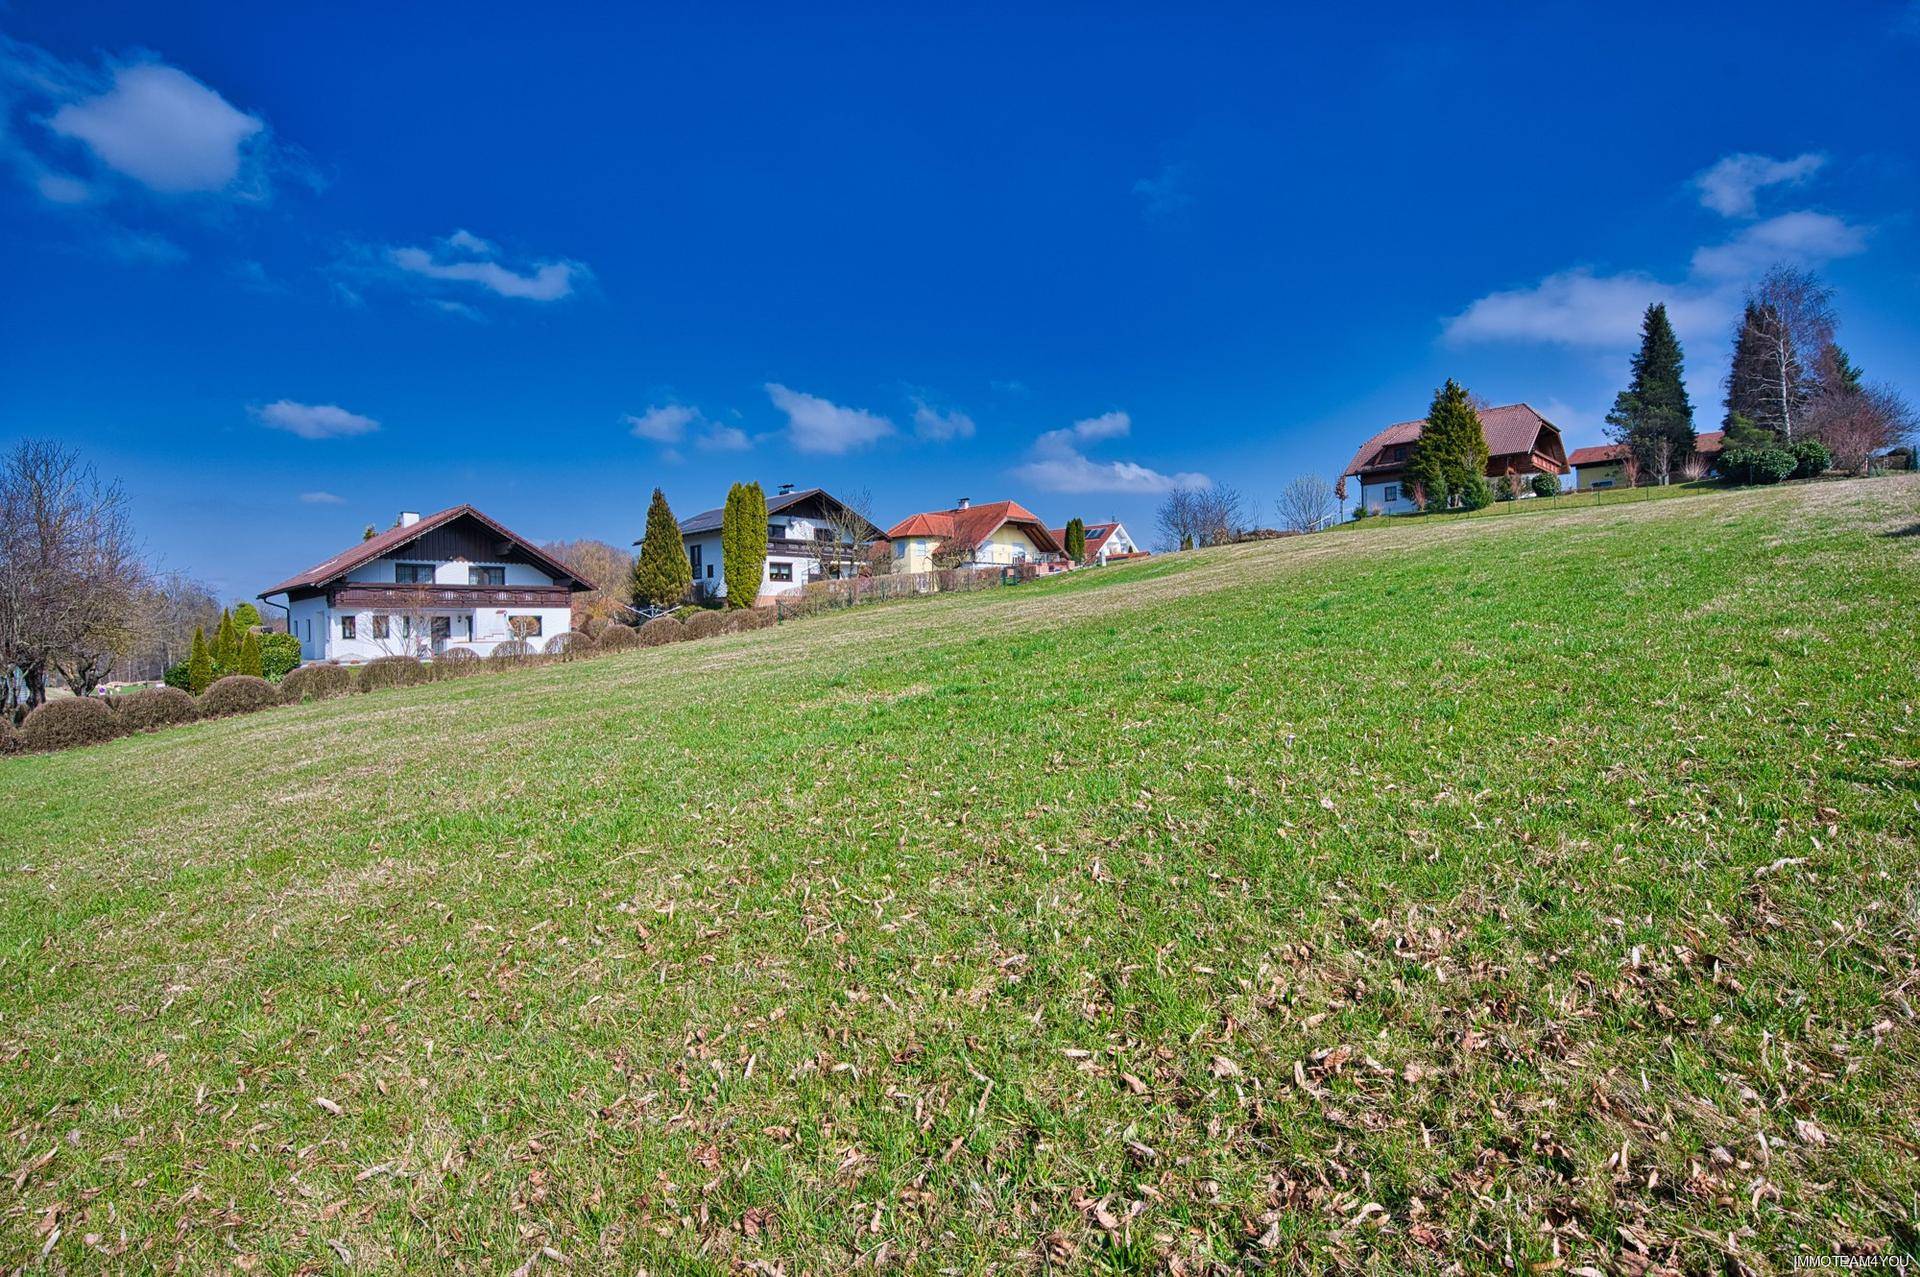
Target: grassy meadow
x=1534, y=894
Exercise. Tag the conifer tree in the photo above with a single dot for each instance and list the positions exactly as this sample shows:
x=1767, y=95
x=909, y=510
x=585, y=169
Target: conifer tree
x=199, y=664
x=1653, y=415
x=1076, y=539
x=743, y=543
x=661, y=575
x=226, y=645
x=249, y=659
x=245, y=616
x=1449, y=459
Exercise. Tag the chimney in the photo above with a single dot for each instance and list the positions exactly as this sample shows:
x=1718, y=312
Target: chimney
x=785, y=488
x=965, y=503
x=409, y=517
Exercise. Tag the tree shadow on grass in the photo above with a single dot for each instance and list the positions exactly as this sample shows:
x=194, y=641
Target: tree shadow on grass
x=1911, y=530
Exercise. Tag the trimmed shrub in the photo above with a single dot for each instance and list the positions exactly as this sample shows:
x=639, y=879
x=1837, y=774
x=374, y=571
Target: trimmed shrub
x=390, y=671
x=1546, y=485
x=1746, y=464
x=180, y=675
x=316, y=683
x=593, y=626
x=706, y=624
x=1810, y=458
x=238, y=694
x=279, y=655
x=569, y=645
x=70, y=722
x=510, y=652
x=9, y=739
x=456, y=662
x=617, y=637
x=662, y=630
x=150, y=711
x=742, y=620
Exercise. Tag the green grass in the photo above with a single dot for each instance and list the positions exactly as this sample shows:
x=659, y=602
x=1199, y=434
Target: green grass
x=1477, y=892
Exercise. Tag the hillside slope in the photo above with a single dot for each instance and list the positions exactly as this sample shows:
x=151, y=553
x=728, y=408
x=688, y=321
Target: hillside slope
x=1489, y=891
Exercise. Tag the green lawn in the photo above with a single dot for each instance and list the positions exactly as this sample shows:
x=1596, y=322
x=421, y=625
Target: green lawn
x=1501, y=893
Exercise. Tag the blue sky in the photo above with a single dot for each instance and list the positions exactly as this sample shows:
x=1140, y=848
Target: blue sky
x=288, y=274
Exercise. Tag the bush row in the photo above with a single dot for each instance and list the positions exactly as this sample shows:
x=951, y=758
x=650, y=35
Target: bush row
x=87, y=720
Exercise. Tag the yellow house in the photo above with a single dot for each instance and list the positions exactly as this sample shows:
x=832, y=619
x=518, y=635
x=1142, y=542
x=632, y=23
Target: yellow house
x=998, y=534
x=1599, y=468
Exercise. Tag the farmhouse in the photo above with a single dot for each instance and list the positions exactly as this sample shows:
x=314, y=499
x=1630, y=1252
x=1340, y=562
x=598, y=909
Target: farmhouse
x=451, y=580
x=997, y=534
x=811, y=535
x=1105, y=542
x=1599, y=468
x=1520, y=443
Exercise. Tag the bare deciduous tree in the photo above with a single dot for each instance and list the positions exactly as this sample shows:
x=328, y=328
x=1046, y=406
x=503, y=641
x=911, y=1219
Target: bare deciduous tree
x=1306, y=504
x=1795, y=322
x=850, y=531
x=606, y=567
x=1659, y=450
x=1858, y=425
x=1220, y=514
x=1177, y=520
x=70, y=573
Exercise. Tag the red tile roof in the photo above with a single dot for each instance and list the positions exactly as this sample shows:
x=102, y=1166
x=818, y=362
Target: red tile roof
x=1707, y=443
x=1509, y=429
x=393, y=538
x=975, y=524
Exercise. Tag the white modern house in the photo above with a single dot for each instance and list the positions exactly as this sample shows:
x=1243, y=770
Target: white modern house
x=1105, y=541
x=998, y=534
x=455, y=579
x=811, y=535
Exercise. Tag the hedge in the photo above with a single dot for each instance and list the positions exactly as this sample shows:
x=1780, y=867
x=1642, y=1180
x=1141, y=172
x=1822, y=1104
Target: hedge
x=510, y=652
x=70, y=722
x=279, y=655
x=661, y=630
x=743, y=620
x=456, y=662
x=238, y=694
x=390, y=671
x=569, y=645
x=706, y=624
x=159, y=707
x=316, y=683
x=9, y=739
x=617, y=637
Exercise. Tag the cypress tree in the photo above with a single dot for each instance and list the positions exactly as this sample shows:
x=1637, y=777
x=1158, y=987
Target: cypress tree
x=226, y=645
x=245, y=616
x=743, y=543
x=1654, y=407
x=1076, y=539
x=199, y=664
x=1449, y=459
x=661, y=575
x=249, y=660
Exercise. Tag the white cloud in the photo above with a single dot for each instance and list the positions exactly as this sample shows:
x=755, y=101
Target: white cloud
x=322, y=498
x=1059, y=465
x=1808, y=239
x=931, y=423
x=465, y=258
x=719, y=438
x=1731, y=185
x=820, y=426
x=313, y=421
x=163, y=128
x=663, y=423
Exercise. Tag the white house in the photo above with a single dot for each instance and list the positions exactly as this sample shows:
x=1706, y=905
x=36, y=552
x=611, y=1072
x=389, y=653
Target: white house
x=1105, y=541
x=455, y=579
x=998, y=534
x=811, y=535
x=1520, y=444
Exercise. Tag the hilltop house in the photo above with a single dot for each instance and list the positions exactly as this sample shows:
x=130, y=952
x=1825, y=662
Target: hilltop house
x=1520, y=443
x=811, y=535
x=1599, y=468
x=455, y=579
x=998, y=534
x=1105, y=541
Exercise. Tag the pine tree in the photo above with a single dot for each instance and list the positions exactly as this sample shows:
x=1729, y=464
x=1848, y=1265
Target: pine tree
x=199, y=664
x=249, y=659
x=1449, y=459
x=661, y=575
x=1076, y=539
x=743, y=543
x=1653, y=415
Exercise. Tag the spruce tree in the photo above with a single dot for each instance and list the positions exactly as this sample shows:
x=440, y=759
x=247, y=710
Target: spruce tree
x=199, y=664
x=1076, y=539
x=249, y=660
x=1654, y=409
x=661, y=575
x=743, y=543
x=1767, y=383
x=1449, y=459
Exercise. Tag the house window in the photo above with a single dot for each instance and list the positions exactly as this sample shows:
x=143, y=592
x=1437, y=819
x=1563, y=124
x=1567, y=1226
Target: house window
x=413, y=573
x=1393, y=492
x=495, y=575
x=382, y=625
x=693, y=557
x=899, y=549
x=780, y=571
x=524, y=626
x=349, y=627
x=776, y=531
x=709, y=571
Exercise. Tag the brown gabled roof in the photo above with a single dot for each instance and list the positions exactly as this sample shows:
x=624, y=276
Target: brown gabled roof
x=393, y=538
x=1706, y=444
x=1508, y=429
x=975, y=524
